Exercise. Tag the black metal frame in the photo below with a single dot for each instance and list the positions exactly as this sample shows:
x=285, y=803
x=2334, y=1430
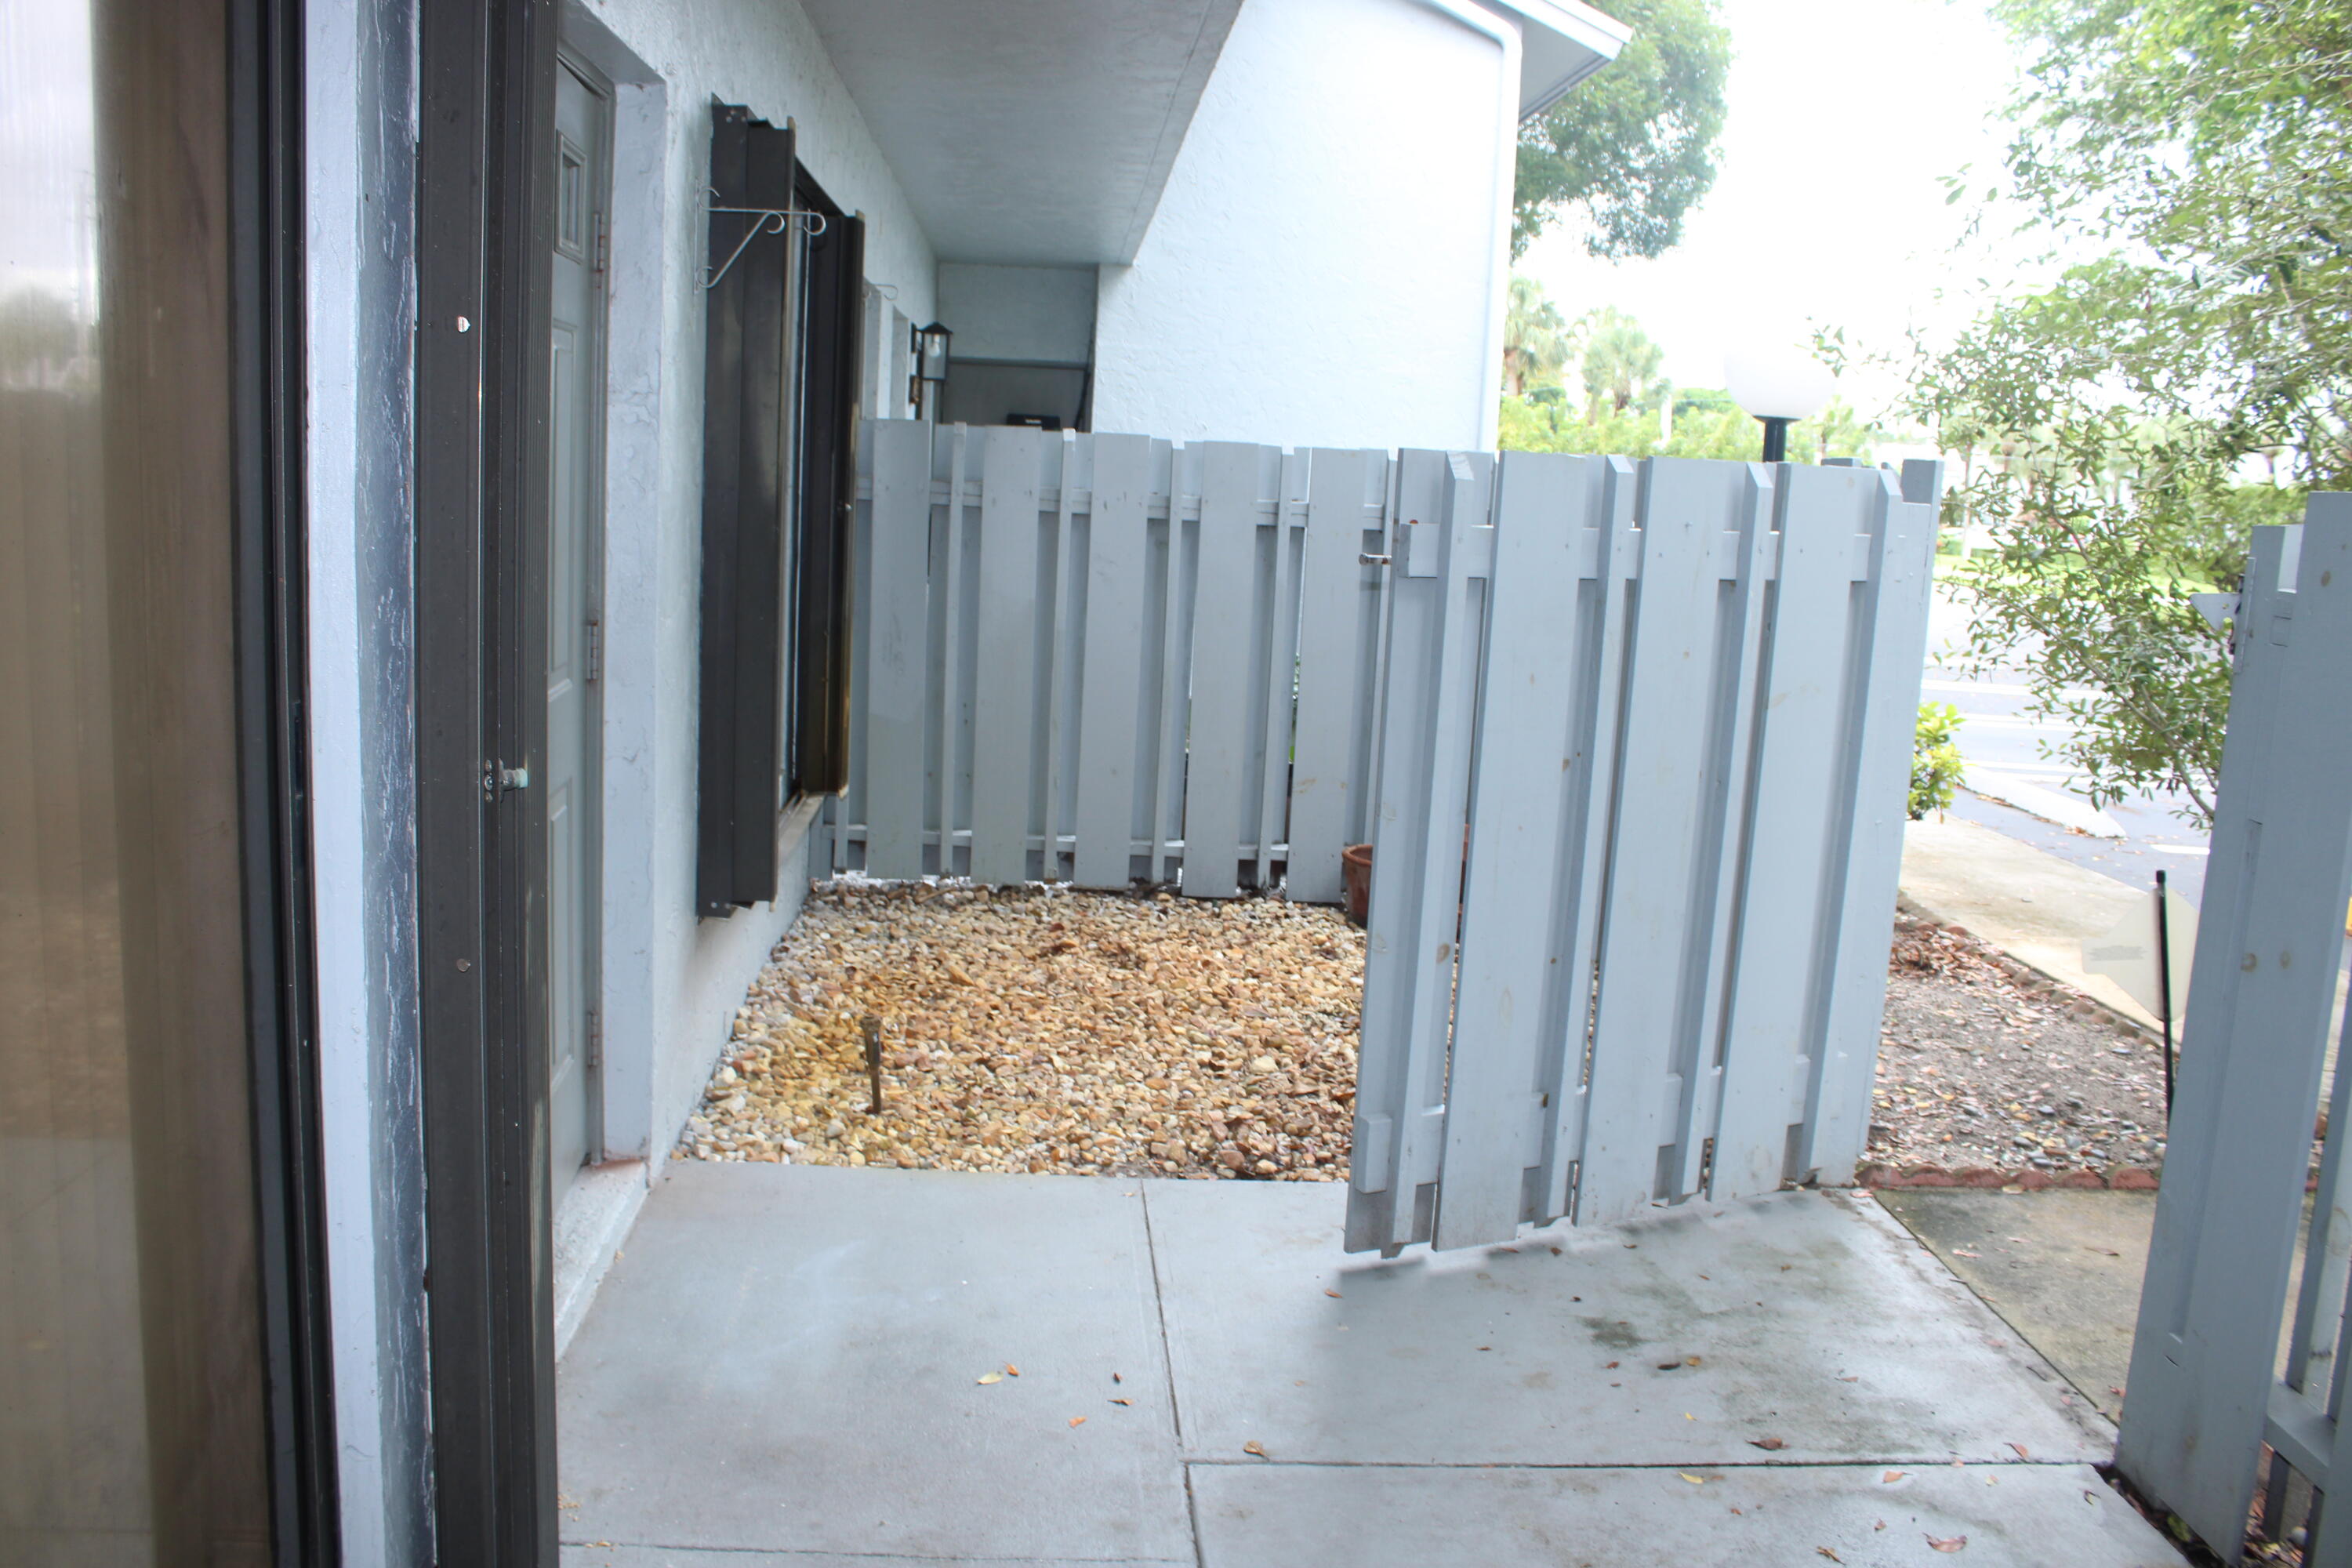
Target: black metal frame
x=484, y=222
x=270, y=371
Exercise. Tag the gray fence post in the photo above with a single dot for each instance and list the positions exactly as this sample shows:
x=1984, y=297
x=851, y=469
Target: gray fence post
x=2259, y=1010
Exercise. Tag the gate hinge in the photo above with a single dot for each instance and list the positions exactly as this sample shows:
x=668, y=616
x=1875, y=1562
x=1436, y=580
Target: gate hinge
x=498, y=780
x=596, y=649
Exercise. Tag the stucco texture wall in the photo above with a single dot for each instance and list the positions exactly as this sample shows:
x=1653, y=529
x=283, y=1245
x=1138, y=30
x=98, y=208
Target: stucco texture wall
x=1039, y=314
x=1326, y=264
x=671, y=980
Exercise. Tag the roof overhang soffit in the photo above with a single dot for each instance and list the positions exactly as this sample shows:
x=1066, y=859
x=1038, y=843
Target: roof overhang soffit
x=1028, y=132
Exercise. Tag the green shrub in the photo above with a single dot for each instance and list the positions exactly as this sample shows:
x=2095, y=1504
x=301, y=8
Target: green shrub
x=1936, y=763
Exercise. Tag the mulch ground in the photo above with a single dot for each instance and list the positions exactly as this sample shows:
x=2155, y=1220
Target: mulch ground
x=1034, y=1029
x=1984, y=1064
x=1043, y=1030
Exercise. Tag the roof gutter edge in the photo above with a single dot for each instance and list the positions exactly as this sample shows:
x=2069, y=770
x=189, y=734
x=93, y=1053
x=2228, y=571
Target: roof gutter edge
x=1598, y=32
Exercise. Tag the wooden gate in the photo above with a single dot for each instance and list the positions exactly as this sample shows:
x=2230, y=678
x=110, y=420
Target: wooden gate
x=1640, y=788
x=2208, y=1390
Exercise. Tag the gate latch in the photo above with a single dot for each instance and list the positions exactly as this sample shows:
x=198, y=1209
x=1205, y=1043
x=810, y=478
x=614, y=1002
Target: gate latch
x=498, y=780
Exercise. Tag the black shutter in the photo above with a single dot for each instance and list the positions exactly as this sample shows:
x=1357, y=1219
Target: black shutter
x=836, y=302
x=742, y=516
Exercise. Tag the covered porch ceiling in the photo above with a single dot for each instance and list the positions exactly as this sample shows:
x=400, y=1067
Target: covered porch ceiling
x=1042, y=132
x=1028, y=132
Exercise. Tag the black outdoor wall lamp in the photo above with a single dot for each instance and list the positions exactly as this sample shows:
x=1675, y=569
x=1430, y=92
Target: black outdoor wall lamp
x=1779, y=386
x=930, y=344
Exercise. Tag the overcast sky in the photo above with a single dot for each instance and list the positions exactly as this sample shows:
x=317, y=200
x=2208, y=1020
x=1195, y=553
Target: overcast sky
x=1828, y=208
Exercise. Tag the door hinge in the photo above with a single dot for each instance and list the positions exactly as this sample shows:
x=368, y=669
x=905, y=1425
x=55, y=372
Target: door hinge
x=602, y=256
x=595, y=1040
x=595, y=660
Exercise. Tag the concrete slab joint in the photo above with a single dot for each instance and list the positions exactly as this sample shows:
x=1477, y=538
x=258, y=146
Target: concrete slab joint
x=826, y=1365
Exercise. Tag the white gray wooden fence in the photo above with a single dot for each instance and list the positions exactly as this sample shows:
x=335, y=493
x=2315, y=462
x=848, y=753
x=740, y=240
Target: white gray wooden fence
x=1674, y=705
x=1106, y=658
x=2207, y=1387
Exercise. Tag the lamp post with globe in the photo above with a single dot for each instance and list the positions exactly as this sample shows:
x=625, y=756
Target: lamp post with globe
x=1777, y=387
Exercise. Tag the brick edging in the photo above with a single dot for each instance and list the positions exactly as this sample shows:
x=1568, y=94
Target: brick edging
x=2116, y=1178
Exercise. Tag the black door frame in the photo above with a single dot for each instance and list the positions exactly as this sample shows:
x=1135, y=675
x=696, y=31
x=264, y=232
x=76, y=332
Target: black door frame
x=484, y=222
x=269, y=373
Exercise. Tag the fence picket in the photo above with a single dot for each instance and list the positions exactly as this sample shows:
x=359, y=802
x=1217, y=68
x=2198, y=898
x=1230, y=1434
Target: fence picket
x=1004, y=697
x=1110, y=675
x=1281, y=666
x=1775, y=1003
x=1497, y=1096
x=952, y=554
x=1723, y=841
x=1338, y=600
x=1642, y=1011
x=1870, y=827
x=892, y=754
x=1057, y=637
x=1417, y=839
x=1216, y=771
x=1181, y=578
x=1614, y=548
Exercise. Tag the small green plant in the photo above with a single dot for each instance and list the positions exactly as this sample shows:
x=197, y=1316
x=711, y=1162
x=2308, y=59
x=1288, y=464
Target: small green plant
x=1936, y=763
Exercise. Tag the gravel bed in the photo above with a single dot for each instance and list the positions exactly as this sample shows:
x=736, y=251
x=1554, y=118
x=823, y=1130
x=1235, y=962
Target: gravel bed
x=1984, y=1064
x=1032, y=1029
x=1042, y=1030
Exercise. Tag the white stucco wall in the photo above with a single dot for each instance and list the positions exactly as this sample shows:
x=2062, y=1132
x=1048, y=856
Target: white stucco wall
x=672, y=981
x=1038, y=313
x=359, y=142
x=1327, y=265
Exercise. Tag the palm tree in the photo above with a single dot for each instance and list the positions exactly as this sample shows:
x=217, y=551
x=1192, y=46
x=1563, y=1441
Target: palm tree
x=1536, y=340
x=1621, y=365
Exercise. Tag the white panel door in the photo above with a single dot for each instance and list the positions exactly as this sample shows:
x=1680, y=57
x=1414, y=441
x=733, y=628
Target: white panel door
x=574, y=575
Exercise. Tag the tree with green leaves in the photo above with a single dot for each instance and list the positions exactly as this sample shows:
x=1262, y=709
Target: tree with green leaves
x=1632, y=410
x=1622, y=370
x=2204, y=143
x=2117, y=419
x=1632, y=149
x=1537, y=340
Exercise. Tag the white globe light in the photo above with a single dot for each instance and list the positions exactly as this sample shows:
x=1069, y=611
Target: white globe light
x=1778, y=382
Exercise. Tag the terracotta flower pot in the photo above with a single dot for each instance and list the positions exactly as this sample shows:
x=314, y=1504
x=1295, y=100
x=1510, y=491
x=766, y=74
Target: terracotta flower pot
x=1356, y=877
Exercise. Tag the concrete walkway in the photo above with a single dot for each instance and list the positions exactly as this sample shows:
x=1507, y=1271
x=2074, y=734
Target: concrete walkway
x=2034, y=906
x=2063, y=1268
x=785, y=1365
